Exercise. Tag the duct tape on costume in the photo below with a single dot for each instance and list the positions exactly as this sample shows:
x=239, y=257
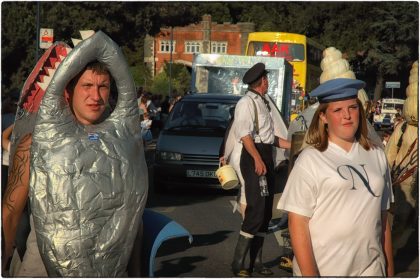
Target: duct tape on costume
x=88, y=184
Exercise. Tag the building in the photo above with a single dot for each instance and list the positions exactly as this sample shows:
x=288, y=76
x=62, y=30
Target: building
x=204, y=37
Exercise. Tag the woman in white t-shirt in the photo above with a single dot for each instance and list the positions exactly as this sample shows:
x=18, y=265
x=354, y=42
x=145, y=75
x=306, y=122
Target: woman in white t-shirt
x=339, y=191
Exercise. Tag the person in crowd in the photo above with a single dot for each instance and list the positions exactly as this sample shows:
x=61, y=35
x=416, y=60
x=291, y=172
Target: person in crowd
x=143, y=103
x=258, y=136
x=385, y=137
x=165, y=105
x=175, y=98
x=146, y=125
x=372, y=111
x=140, y=92
x=190, y=115
x=146, y=105
x=397, y=120
x=338, y=192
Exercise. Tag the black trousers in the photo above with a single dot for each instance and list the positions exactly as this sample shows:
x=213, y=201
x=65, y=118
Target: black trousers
x=258, y=211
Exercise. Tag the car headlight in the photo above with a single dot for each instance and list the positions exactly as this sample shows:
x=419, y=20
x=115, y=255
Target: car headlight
x=169, y=156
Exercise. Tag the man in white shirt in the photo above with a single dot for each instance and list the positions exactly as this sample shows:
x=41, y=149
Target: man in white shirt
x=254, y=128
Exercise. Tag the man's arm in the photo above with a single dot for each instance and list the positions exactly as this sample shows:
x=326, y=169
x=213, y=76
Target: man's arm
x=5, y=137
x=302, y=245
x=15, y=196
x=282, y=143
x=260, y=168
x=387, y=244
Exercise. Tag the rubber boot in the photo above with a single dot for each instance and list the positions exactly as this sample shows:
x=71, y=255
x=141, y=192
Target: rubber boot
x=256, y=264
x=241, y=251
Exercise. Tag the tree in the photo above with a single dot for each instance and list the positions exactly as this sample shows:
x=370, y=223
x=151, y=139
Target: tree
x=18, y=43
x=160, y=84
x=380, y=39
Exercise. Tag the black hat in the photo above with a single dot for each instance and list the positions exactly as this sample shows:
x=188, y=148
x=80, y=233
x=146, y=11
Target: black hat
x=253, y=74
x=337, y=89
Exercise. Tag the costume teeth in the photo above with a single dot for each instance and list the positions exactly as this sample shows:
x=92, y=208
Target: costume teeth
x=42, y=85
x=75, y=41
x=85, y=34
x=51, y=71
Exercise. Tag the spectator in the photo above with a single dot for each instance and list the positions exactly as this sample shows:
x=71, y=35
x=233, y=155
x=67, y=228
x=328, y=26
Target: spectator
x=385, y=138
x=146, y=125
x=397, y=120
x=175, y=98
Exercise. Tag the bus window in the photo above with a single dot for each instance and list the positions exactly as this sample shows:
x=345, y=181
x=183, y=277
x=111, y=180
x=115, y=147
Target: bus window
x=290, y=52
x=314, y=55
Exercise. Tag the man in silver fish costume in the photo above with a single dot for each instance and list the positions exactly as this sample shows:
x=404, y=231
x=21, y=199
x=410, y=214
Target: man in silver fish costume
x=88, y=181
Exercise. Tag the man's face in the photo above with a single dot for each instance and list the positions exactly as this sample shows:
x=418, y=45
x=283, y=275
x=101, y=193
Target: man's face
x=90, y=96
x=265, y=84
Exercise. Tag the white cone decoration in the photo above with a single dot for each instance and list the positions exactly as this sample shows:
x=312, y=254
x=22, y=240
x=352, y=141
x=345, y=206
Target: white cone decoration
x=410, y=110
x=333, y=66
x=398, y=155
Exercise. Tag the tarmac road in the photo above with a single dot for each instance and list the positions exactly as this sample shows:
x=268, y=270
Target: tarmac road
x=207, y=215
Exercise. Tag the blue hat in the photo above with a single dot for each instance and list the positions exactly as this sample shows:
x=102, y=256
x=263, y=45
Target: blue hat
x=337, y=89
x=254, y=73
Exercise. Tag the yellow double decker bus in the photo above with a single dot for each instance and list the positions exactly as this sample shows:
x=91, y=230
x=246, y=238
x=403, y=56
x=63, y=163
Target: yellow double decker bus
x=303, y=53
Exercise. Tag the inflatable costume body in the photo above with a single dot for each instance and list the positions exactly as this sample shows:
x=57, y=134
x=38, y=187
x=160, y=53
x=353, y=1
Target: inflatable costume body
x=88, y=184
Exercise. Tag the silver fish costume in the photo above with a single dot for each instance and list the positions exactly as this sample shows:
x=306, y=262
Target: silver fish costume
x=88, y=184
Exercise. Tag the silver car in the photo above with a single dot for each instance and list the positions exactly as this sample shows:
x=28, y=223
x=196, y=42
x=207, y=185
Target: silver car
x=187, y=150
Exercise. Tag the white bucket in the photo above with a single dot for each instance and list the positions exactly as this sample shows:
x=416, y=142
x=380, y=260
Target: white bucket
x=227, y=177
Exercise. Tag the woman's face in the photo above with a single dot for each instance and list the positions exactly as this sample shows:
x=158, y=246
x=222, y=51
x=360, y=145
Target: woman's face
x=342, y=118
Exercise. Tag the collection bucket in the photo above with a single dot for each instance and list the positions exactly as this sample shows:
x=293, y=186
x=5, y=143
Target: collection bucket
x=227, y=177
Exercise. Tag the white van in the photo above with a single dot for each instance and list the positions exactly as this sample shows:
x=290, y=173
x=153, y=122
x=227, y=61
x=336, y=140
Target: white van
x=389, y=107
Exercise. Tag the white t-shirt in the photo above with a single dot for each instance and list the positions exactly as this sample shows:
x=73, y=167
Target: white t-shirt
x=343, y=194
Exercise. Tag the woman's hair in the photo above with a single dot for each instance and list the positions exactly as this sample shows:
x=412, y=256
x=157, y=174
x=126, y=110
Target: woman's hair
x=318, y=131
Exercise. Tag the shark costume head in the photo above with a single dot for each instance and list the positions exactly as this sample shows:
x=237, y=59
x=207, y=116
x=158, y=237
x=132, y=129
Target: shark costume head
x=88, y=184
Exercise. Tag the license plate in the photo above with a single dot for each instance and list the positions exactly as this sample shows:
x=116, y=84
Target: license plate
x=201, y=173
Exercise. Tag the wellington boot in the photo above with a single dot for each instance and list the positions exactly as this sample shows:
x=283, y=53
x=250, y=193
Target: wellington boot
x=241, y=251
x=256, y=264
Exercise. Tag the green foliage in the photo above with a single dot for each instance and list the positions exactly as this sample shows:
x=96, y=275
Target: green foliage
x=18, y=43
x=160, y=84
x=141, y=76
x=180, y=80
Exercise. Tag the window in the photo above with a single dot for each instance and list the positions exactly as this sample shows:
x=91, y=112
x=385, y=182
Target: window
x=165, y=46
x=192, y=46
x=288, y=51
x=314, y=54
x=218, y=47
